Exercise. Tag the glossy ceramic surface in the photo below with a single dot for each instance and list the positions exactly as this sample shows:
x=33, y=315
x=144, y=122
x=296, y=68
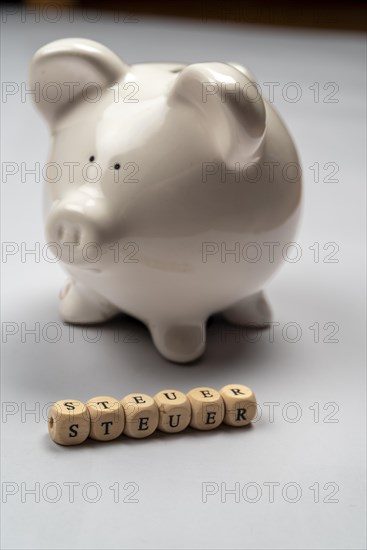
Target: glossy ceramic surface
x=172, y=180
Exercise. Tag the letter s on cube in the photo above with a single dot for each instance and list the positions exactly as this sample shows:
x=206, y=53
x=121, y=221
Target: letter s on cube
x=68, y=422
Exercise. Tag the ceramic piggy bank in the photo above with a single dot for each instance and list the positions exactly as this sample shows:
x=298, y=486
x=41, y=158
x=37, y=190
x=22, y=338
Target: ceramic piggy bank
x=171, y=190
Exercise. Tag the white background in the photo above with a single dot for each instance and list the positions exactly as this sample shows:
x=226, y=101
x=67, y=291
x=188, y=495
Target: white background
x=319, y=448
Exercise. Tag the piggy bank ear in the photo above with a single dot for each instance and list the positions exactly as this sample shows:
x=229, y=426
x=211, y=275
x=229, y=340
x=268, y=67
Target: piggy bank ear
x=231, y=104
x=61, y=72
x=243, y=70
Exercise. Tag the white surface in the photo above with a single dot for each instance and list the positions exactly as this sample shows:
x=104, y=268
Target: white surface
x=170, y=471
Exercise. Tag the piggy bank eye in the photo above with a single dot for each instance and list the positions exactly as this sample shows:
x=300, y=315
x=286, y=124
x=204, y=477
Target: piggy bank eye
x=117, y=166
x=91, y=159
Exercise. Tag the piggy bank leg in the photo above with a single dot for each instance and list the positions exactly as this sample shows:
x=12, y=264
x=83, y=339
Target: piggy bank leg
x=181, y=343
x=81, y=305
x=251, y=311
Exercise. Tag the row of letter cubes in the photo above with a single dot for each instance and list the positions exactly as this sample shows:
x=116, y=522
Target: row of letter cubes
x=70, y=422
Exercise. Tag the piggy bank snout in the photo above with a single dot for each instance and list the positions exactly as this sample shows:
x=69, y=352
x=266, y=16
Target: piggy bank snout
x=75, y=225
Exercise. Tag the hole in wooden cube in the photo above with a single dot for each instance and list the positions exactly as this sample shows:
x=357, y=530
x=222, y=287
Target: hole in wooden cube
x=68, y=422
x=207, y=408
x=240, y=404
x=107, y=418
x=174, y=411
x=141, y=415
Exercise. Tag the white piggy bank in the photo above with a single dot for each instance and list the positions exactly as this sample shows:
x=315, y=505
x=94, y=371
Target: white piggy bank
x=170, y=190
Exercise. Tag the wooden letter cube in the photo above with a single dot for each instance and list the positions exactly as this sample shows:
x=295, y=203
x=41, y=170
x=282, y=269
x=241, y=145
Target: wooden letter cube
x=141, y=415
x=240, y=404
x=68, y=422
x=207, y=408
x=107, y=418
x=174, y=411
